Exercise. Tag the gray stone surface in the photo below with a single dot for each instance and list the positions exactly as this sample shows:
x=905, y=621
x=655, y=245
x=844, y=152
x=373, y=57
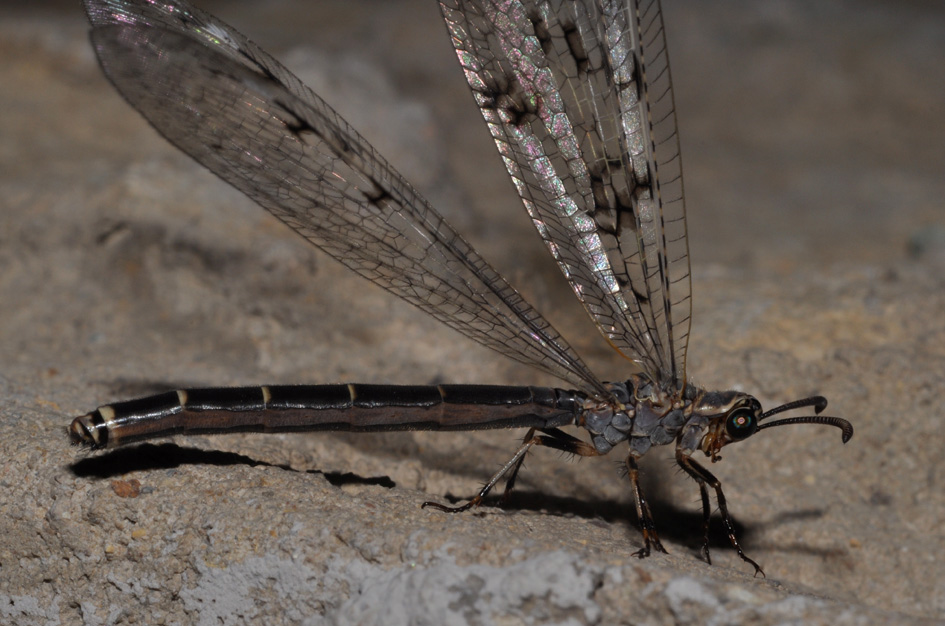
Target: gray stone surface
x=812, y=138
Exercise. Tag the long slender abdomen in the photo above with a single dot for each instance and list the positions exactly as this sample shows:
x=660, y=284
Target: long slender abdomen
x=362, y=408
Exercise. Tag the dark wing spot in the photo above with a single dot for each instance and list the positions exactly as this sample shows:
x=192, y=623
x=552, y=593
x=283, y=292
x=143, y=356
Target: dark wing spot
x=576, y=46
x=521, y=111
x=599, y=191
x=495, y=86
x=625, y=214
x=378, y=195
x=487, y=99
x=293, y=123
x=613, y=210
x=297, y=126
x=541, y=29
x=519, y=108
x=341, y=143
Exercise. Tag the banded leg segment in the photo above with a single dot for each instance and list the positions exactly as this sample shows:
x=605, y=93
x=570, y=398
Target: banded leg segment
x=358, y=408
x=551, y=438
x=565, y=443
x=647, y=525
x=705, y=478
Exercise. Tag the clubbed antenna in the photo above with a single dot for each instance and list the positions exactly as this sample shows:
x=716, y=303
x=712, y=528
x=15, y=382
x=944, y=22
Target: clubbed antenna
x=819, y=403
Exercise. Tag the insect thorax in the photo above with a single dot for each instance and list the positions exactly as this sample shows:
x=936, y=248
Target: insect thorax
x=645, y=416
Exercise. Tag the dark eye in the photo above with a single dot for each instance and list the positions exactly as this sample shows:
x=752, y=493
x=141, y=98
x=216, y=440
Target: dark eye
x=741, y=423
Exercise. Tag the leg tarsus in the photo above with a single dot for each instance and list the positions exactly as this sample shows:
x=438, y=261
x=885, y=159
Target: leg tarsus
x=730, y=529
x=473, y=502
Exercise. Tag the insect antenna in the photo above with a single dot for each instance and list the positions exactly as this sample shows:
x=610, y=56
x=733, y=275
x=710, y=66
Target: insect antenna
x=819, y=403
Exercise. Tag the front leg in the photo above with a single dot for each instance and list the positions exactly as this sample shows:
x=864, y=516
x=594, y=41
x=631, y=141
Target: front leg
x=704, y=477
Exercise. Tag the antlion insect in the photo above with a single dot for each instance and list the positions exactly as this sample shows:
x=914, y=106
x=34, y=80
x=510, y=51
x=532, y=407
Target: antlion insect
x=579, y=100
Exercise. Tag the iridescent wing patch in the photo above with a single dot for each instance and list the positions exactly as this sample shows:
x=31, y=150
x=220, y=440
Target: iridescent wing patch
x=578, y=98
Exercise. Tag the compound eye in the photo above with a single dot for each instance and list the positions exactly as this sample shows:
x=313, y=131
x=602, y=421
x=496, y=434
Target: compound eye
x=741, y=423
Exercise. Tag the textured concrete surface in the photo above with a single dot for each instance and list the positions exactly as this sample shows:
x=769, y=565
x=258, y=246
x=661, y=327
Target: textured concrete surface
x=812, y=137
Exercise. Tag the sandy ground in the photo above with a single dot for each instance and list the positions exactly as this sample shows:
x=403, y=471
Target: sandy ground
x=812, y=139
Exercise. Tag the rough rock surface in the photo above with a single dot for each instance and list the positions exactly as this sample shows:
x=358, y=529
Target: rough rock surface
x=812, y=137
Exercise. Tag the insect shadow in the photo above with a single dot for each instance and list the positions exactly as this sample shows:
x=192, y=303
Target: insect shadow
x=149, y=457
x=679, y=525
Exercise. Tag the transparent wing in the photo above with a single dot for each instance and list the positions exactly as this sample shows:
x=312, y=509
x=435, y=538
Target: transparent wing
x=236, y=110
x=578, y=98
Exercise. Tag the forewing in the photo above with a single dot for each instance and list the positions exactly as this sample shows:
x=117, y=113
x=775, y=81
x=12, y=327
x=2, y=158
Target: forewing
x=578, y=98
x=233, y=108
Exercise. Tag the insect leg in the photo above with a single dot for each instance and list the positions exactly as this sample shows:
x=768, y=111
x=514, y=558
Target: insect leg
x=513, y=474
x=704, y=477
x=551, y=438
x=647, y=525
x=556, y=439
x=706, y=516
